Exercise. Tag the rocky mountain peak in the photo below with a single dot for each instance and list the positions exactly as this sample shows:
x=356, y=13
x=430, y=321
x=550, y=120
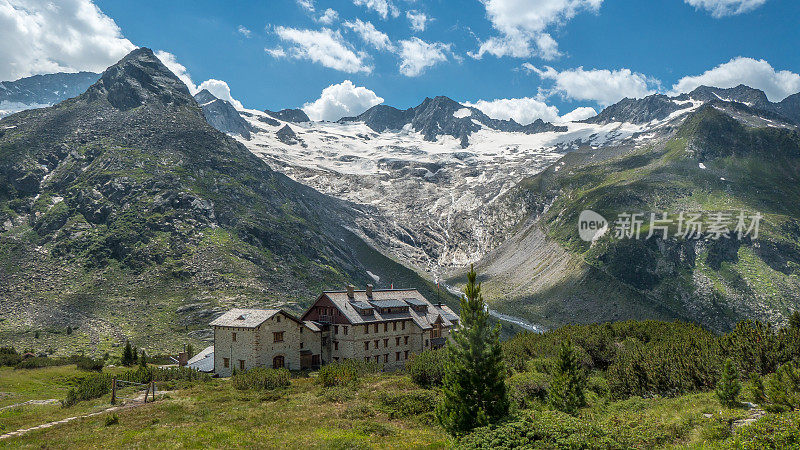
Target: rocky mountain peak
x=140, y=78
x=289, y=115
x=221, y=115
x=740, y=94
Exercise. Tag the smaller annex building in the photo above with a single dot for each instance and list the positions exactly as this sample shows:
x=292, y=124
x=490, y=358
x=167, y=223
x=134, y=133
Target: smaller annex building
x=382, y=325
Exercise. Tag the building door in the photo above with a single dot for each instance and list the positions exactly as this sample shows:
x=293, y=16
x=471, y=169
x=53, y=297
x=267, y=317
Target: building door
x=305, y=360
x=277, y=362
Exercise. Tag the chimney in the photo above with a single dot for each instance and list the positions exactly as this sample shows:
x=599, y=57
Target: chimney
x=369, y=291
x=350, y=291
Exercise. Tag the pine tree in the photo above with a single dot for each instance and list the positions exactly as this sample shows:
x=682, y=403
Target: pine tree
x=143, y=359
x=474, y=390
x=69, y=330
x=189, y=351
x=127, y=354
x=757, y=386
x=569, y=381
x=729, y=387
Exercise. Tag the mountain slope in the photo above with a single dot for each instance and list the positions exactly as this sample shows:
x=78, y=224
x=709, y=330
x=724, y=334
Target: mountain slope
x=714, y=160
x=124, y=214
x=42, y=90
x=222, y=115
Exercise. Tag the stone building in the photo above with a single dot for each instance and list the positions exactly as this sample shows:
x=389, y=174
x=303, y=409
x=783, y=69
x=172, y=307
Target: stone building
x=378, y=325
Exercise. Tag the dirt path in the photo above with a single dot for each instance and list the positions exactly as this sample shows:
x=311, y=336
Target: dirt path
x=138, y=401
x=49, y=401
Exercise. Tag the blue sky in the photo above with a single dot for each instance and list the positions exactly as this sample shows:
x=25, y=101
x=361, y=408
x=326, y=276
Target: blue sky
x=553, y=54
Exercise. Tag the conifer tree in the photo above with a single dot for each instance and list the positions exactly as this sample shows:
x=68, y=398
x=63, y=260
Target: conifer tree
x=189, y=351
x=569, y=381
x=127, y=354
x=474, y=390
x=143, y=359
x=729, y=387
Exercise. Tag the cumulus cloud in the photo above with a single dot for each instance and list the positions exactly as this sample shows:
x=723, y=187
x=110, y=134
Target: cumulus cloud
x=758, y=74
x=244, y=31
x=523, y=25
x=38, y=36
x=341, y=100
x=308, y=5
x=383, y=7
x=325, y=47
x=600, y=85
x=328, y=17
x=218, y=88
x=370, y=35
x=417, y=55
x=580, y=113
x=523, y=110
x=722, y=8
x=418, y=19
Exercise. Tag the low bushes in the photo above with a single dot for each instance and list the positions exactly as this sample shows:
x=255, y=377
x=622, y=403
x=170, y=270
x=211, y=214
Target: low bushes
x=345, y=373
x=526, y=388
x=399, y=405
x=426, y=369
x=261, y=378
x=88, y=388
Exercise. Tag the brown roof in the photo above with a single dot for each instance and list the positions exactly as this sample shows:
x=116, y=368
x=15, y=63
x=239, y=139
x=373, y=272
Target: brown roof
x=389, y=298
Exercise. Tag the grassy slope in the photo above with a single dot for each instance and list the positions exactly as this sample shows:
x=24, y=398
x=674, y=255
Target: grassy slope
x=716, y=284
x=307, y=416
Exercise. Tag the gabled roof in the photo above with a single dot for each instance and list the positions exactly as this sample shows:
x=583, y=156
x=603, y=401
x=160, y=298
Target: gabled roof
x=203, y=361
x=248, y=318
x=347, y=306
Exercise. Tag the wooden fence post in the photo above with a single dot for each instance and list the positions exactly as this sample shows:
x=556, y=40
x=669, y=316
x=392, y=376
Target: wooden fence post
x=154, y=390
x=147, y=392
x=114, y=390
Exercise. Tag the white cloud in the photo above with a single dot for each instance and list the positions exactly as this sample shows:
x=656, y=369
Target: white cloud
x=324, y=47
x=218, y=88
x=370, y=34
x=221, y=90
x=277, y=52
x=341, y=100
x=38, y=36
x=418, y=20
x=600, y=85
x=722, y=8
x=580, y=113
x=417, y=55
x=244, y=31
x=308, y=5
x=524, y=110
x=382, y=7
x=758, y=74
x=523, y=25
x=328, y=17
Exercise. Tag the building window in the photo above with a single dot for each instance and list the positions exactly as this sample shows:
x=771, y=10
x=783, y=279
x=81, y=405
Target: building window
x=277, y=336
x=436, y=331
x=226, y=362
x=344, y=329
x=278, y=319
x=426, y=342
x=301, y=329
x=366, y=329
x=386, y=357
x=397, y=341
x=397, y=356
x=277, y=362
x=403, y=325
x=385, y=342
x=336, y=358
x=377, y=343
x=336, y=329
x=405, y=354
x=366, y=345
x=366, y=358
x=241, y=364
x=385, y=327
x=376, y=327
x=394, y=326
x=377, y=358
x=233, y=337
x=336, y=345
x=405, y=340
